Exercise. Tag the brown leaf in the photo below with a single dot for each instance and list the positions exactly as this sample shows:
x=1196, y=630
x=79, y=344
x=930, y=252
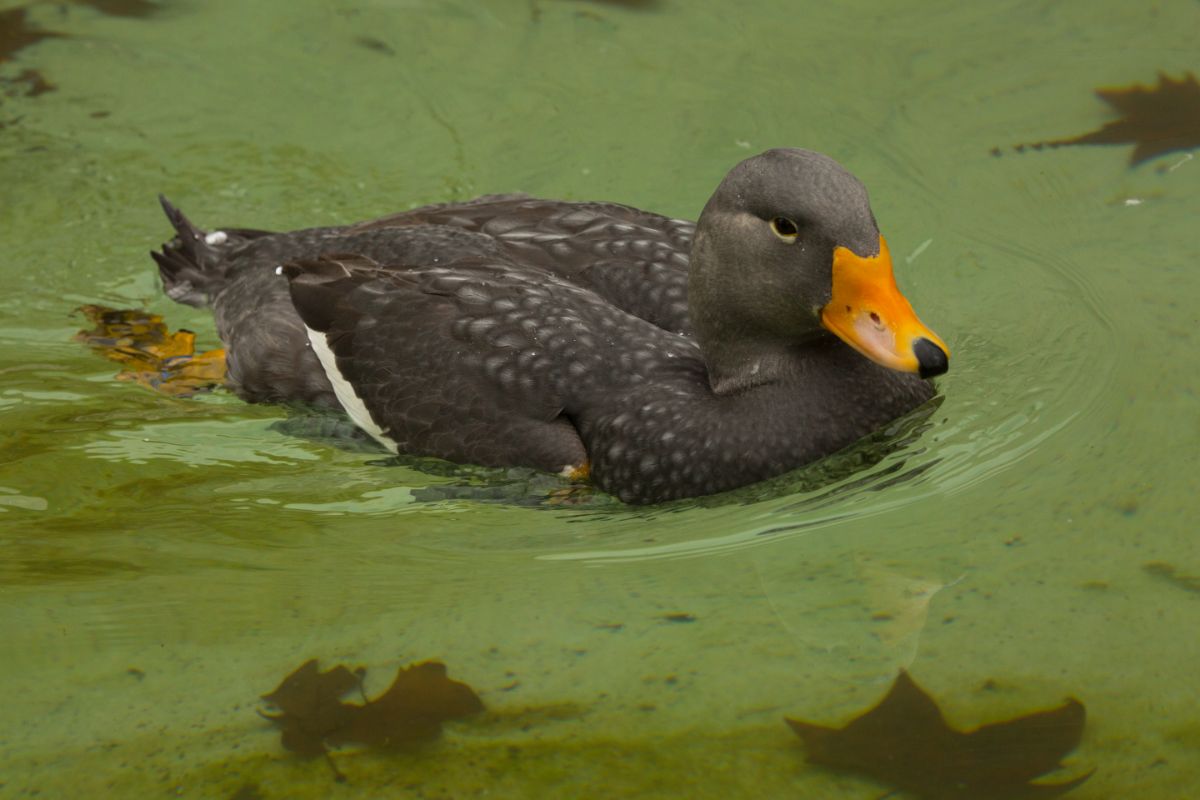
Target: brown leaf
x=1155, y=119
x=411, y=711
x=413, y=708
x=311, y=709
x=149, y=353
x=16, y=33
x=123, y=8
x=904, y=741
x=26, y=83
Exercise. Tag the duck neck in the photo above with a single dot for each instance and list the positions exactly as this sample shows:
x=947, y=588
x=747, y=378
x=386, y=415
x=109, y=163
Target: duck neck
x=741, y=364
x=741, y=336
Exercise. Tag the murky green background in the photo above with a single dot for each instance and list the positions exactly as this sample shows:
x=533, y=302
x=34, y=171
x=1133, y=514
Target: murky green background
x=164, y=562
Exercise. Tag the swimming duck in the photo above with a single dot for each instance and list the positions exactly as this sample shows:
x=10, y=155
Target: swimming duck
x=665, y=358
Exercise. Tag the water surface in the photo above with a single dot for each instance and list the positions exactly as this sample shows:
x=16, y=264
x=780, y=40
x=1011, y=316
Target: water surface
x=166, y=561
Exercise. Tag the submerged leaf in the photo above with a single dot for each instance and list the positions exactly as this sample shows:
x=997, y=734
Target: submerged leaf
x=411, y=711
x=312, y=710
x=16, y=33
x=905, y=741
x=413, y=708
x=1155, y=119
x=150, y=354
x=123, y=8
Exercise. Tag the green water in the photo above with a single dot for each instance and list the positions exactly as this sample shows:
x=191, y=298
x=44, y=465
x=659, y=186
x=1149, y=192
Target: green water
x=163, y=562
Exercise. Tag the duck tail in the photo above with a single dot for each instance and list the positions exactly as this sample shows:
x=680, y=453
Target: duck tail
x=189, y=264
x=194, y=265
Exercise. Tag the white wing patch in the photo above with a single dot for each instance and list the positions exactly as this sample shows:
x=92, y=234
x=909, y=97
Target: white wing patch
x=346, y=395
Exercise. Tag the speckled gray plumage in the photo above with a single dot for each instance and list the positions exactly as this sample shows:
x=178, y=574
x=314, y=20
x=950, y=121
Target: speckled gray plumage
x=503, y=366
x=516, y=331
x=633, y=259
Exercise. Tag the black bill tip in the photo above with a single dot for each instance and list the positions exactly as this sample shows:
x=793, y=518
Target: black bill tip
x=931, y=359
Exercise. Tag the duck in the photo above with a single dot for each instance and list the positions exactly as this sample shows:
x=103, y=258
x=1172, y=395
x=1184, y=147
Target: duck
x=656, y=358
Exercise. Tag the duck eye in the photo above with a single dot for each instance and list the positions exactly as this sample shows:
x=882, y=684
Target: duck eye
x=785, y=229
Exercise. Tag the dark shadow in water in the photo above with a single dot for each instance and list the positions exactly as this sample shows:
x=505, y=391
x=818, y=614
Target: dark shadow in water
x=16, y=33
x=41, y=571
x=137, y=9
x=26, y=83
x=329, y=429
x=409, y=713
x=1172, y=575
x=637, y=4
x=375, y=45
x=536, y=7
x=1157, y=120
x=905, y=742
x=517, y=486
x=514, y=486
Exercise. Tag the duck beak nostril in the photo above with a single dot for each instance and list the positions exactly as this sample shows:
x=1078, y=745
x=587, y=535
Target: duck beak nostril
x=931, y=359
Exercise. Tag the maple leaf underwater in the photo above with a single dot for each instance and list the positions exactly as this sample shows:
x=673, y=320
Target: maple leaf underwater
x=16, y=33
x=1158, y=119
x=411, y=711
x=149, y=354
x=904, y=741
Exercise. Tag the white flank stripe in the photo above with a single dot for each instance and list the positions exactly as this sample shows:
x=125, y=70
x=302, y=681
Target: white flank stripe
x=345, y=392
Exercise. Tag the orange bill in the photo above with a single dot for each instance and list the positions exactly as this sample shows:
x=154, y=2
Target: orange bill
x=868, y=313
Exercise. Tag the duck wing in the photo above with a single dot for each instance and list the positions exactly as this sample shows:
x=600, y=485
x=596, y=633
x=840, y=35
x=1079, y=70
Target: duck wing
x=636, y=260
x=479, y=361
x=627, y=259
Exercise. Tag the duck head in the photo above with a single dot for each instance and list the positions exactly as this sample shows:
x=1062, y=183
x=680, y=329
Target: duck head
x=786, y=253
